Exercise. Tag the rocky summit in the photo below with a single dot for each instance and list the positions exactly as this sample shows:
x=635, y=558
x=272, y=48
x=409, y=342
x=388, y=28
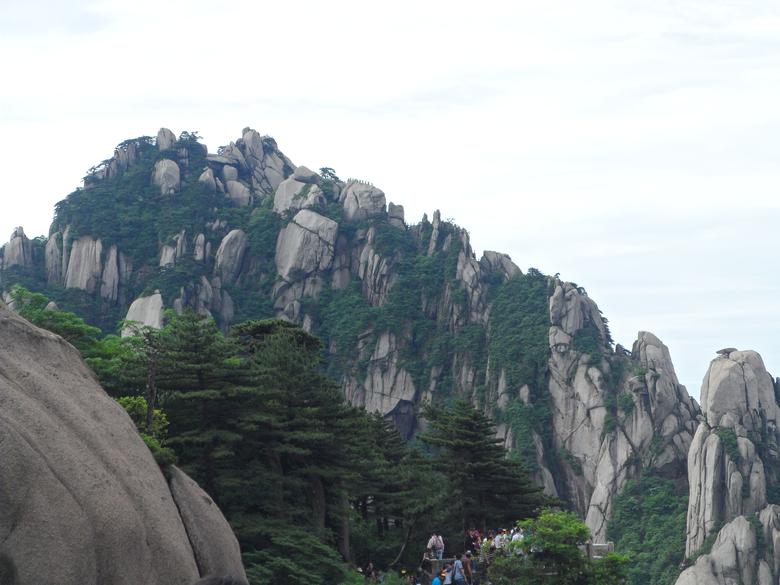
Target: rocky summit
x=409, y=315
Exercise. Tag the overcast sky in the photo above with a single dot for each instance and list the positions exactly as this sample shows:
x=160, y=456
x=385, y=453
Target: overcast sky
x=629, y=146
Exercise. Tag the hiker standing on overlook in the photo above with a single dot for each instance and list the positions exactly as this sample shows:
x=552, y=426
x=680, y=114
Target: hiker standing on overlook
x=458, y=572
x=436, y=544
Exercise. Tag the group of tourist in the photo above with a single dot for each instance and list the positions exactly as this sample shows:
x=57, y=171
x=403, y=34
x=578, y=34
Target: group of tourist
x=464, y=569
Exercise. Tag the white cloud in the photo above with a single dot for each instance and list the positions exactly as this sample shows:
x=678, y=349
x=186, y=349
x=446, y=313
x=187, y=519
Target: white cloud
x=627, y=145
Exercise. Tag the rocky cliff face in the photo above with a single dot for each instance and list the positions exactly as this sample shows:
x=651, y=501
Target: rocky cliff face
x=613, y=414
x=733, y=474
x=408, y=312
x=82, y=499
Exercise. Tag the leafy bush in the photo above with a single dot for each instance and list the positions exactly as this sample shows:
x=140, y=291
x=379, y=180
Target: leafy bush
x=162, y=455
x=552, y=555
x=625, y=402
x=390, y=240
x=588, y=340
x=728, y=437
x=136, y=407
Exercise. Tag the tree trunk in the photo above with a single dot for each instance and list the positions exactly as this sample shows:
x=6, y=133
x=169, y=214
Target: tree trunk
x=151, y=395
x=344, y=535
x=406, y=542
x=318, y=502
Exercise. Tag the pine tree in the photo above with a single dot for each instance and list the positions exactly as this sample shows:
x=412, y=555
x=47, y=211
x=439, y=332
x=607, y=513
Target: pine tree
x=487, y=487
x=195, y=375
x=295, y=460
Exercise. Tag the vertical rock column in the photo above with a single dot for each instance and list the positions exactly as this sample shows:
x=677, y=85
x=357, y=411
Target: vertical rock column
x=726, y=472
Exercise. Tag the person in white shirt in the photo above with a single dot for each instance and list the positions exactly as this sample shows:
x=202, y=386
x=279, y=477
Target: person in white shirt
x=436, y=544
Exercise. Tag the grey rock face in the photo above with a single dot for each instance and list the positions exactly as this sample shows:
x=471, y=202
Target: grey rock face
x=53, y=256
x=89, y=504
x=84, y=264
x=389, y=382
x=662, y=411
x=395, y=215
x=305, y=245
x=736, y=558
x=165, y=139
x=239, y=193
x=732, y=560
x=267, y=165
x=207, y=178
x=294, y=195
x=738, y=385
x=727, y=475
x=436, y=224
x=167, y=255
x=229, y=173
x=306, y=175
x=109, y=287
x=362, y=201
x=230, y=255
x=213, y=542
x=375, y=271
x=18, y=251
x=498, y=262
x=146, y=311
x=166, y=176
x=199, y=252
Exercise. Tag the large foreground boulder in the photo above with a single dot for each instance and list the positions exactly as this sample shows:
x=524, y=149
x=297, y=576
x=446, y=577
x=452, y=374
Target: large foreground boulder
x=82, y=501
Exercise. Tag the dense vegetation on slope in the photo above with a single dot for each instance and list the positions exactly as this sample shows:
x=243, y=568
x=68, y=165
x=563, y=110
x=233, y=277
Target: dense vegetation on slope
x=131, y=212
x=648, y=524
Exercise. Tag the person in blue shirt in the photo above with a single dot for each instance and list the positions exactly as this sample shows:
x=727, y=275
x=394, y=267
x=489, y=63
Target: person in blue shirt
x=437, y=579
x=459, y=574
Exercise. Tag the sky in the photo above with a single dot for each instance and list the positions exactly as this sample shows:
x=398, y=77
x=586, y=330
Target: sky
x=630, y=146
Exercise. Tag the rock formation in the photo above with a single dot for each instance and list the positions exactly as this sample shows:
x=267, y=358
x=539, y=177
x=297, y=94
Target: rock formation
x=166, y=176
x=166, y=139
x=239, y=192
x=145, y=311
x=395, y=215
x=362, y=200
x=230, y=255
x=86, y=504
x=726, y=471
x=651, y=417
x=84, y=268
x=732, y=473
x=305, y=245
x=18, y=251
x=293, y=194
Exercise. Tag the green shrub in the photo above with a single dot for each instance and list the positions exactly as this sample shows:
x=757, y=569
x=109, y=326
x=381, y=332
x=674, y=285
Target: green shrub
x=162, y=455
x=728, y=437
x=625, y=402
x=588, y=340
